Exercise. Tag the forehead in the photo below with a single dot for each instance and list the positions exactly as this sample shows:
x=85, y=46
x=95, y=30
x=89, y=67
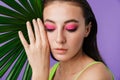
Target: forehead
x=62, y=11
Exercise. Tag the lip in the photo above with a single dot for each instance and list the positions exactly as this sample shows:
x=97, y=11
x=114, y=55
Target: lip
x=60, y=50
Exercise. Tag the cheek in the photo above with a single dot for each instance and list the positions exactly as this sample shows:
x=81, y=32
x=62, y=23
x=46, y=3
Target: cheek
x=51, y=37
x=75, y=41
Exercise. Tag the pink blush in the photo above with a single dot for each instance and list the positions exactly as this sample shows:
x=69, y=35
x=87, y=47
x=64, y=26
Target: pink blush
x=49, y=26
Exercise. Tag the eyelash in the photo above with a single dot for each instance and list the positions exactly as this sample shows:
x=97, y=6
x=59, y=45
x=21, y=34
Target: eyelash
x=66, y=28
x=70, y=30
x=50, y=30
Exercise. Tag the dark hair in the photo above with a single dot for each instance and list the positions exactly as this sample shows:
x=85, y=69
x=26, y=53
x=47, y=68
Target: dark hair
x=90, y=43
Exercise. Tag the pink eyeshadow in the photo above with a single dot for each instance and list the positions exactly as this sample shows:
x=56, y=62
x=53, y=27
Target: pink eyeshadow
x=49, y=26
x=70, y=26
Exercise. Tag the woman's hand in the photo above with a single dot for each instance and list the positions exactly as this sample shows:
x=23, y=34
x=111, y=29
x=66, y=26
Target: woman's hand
x=38, y=51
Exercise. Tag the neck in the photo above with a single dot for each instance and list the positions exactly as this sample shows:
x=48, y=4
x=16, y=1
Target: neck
x=75, y=64
x=77, y=58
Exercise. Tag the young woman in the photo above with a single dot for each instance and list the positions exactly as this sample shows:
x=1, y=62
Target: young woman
x=69, y=31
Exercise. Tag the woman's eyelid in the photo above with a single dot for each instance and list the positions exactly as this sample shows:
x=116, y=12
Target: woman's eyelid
x=50, y=26
x=71, y=26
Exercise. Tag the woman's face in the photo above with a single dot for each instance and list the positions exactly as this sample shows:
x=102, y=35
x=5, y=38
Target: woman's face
x=66, y=29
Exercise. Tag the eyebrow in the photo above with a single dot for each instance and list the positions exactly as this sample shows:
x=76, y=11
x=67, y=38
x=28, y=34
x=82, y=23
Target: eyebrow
x=71, y=20
x=68, y=21
x=48, y=20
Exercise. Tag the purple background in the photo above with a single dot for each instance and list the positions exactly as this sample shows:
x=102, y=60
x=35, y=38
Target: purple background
x=107, y=13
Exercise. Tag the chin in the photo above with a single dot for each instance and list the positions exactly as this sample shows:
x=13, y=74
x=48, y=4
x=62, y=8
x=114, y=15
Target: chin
x=61, y=58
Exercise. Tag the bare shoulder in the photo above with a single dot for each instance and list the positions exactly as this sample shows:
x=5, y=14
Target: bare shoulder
x=96, y=72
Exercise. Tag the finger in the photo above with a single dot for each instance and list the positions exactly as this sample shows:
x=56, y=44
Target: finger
x=36, y=28
x=30, y=32
x=22, y=39
x=42, y=31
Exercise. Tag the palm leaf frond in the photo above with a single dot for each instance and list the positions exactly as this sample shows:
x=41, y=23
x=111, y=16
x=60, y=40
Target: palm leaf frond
x=13, y=19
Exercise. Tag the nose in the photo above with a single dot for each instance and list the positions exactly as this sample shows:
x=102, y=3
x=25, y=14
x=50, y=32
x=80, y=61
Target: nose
x=60, y=38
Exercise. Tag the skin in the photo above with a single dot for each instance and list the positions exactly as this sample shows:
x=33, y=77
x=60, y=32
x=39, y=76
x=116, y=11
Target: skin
x=62, y=38
x=66, y=46
x=38, y=50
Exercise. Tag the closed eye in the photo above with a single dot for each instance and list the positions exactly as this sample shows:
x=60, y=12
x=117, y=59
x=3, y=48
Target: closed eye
x=50, y=27
x=72, y=30
x=71, y=27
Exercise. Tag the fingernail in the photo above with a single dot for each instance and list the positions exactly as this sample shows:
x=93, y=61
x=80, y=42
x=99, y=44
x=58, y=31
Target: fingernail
x=27, y=22
x=33, y=20
x=38, y=19
x=19, y=32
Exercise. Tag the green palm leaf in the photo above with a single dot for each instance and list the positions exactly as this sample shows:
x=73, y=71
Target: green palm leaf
x=12, y=20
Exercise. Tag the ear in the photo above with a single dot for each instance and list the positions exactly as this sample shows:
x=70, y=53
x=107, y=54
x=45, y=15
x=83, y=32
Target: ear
x=88, y=29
